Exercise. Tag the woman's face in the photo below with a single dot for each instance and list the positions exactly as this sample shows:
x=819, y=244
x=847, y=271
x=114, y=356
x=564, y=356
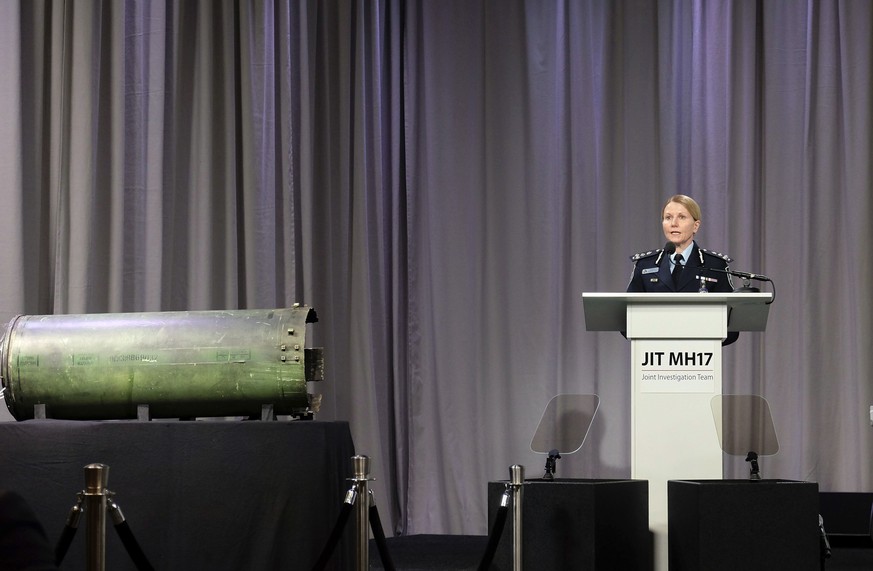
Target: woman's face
x=679, y=226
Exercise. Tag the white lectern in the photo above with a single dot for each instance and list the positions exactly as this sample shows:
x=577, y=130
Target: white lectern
x=675, y=371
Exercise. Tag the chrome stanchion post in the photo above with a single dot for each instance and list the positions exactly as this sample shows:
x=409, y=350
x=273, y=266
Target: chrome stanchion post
x=96, y=478
x=361, y=470
x=516, y=483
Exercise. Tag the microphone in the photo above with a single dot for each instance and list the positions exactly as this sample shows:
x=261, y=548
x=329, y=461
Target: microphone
x=669, y=248
x=743, y=275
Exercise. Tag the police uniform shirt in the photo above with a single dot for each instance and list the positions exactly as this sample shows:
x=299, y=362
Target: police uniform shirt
x=686, y=255
x=652, y=272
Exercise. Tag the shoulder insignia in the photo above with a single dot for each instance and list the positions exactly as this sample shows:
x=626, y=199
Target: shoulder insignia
x=724, y=257
x=639, y=256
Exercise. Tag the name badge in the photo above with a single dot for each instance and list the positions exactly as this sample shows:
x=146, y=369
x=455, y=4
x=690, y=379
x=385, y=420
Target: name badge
x=650, y=270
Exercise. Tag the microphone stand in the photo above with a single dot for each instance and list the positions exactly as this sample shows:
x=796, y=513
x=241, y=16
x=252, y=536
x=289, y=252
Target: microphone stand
x=747, y=287
x=754, y=471
x=551, y=464
x=746, y=277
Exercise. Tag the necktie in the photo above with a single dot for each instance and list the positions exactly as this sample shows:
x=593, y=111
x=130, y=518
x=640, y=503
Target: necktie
x=677, y=268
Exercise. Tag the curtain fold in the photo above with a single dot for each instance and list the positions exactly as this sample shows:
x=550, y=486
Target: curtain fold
x=442, y=180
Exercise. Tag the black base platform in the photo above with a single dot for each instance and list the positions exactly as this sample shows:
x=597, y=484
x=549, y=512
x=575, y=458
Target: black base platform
x=197, y=495
x=578, y=524
x=743, y=524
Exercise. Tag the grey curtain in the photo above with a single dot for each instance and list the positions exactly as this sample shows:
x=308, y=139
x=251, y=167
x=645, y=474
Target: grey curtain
x=442, y=180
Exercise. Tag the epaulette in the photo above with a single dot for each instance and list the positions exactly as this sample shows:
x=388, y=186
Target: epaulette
x=724, y=257
x=641, y=255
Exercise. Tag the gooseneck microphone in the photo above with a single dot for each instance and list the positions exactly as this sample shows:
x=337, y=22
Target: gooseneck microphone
x=743, y=275
x=746, y=277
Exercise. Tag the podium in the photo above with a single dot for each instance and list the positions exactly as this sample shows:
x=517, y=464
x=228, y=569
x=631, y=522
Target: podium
x=675, y=372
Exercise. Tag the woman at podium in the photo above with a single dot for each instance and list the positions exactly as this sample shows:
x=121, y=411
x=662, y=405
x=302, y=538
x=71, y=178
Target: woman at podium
x=681, y=265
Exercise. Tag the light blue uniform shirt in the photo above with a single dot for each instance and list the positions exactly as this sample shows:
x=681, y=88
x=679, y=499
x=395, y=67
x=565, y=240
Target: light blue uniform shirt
x=686, y=255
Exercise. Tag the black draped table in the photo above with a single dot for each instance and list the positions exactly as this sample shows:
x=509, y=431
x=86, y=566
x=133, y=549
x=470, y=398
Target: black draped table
x=196, y=494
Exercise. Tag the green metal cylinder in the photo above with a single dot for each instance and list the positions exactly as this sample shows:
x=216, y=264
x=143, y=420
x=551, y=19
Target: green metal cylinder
x=182, y=364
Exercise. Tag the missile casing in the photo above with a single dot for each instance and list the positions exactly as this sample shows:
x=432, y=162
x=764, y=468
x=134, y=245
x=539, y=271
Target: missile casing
x=182, y=364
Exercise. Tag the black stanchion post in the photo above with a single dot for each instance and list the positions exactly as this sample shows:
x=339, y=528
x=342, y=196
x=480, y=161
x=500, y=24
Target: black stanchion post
x=367, y=518
x=95, y=502
x=359, y=491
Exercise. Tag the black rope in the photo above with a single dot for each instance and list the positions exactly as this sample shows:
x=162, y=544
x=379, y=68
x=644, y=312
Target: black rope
x=494, y=537
x=871, y=521
x=64, y=544
x=334, y=538
x=824, y=545
x=70, y=527
x=379, y=536
x=132, y=546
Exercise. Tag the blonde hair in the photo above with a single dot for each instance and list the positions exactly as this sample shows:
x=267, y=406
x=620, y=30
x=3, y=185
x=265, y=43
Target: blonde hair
x=687, y=202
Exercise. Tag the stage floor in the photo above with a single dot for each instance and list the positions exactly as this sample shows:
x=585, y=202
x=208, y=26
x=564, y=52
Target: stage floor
x=464, y=552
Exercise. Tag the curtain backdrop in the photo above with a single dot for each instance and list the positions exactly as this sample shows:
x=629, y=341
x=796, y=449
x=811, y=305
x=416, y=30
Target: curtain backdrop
x=441, y=180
